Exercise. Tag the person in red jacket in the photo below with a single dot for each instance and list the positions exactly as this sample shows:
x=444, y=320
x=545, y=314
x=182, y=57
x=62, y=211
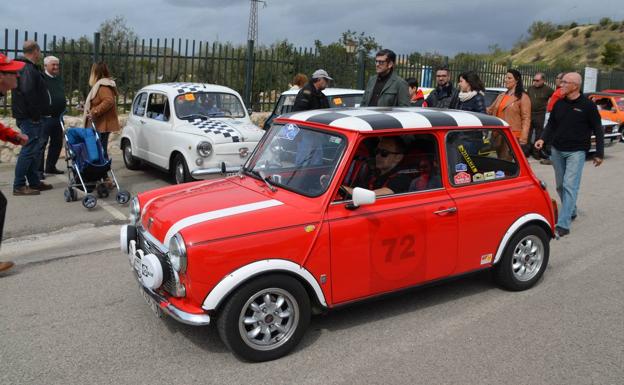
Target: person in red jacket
x=8, y=80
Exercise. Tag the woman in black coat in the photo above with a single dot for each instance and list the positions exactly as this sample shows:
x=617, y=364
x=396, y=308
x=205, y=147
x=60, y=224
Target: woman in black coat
x=470, y=96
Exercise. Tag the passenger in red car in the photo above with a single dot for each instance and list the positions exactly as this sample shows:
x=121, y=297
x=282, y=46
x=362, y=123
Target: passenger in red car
x=386, y=177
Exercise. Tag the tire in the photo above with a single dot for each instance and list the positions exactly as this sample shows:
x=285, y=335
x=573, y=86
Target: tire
x=524, y=260
x=179, y=170
x=249, y=309
x=131, y=162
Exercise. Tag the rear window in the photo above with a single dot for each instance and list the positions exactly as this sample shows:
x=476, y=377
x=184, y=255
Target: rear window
x=479, y=156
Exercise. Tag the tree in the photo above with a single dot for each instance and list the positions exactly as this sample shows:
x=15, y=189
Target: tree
x=541, y=29
x=360, y=41
x=611, y=54
x=115, y=31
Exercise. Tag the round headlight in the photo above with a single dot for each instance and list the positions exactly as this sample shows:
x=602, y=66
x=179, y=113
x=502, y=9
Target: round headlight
x=204, y=149
x=135, y=210
x=177, y=253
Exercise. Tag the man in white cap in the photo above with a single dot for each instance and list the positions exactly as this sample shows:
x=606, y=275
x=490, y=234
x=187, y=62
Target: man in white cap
x=311, y=96
x=9, y=72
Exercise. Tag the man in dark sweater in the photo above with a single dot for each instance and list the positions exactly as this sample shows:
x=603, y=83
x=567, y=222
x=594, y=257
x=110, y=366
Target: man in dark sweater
x=539, y=93
x=570, y=126
x=52, y=129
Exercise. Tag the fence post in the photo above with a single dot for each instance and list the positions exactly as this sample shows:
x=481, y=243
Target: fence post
x=249, y=67
x=361, y=71
x=96, y=47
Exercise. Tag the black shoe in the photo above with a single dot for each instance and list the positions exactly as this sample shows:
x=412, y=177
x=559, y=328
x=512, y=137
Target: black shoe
x=41, y=175
x=42, y=187
x=561, y=232
x=55, y=171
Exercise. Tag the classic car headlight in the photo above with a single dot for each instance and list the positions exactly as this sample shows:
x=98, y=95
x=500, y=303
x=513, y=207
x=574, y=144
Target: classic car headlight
x=204, y=149
x=177, y=253
x=135, y=210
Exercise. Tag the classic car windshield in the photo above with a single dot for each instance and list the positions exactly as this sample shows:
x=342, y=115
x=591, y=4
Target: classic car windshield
x=209, y=104
x=298, y=158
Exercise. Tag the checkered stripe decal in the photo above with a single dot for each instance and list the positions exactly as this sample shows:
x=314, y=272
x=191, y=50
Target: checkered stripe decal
x=184, y=88
x=366, y=119
x=216, y=127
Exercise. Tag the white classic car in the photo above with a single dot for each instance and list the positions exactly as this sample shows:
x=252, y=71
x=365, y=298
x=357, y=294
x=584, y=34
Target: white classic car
x=192, y=130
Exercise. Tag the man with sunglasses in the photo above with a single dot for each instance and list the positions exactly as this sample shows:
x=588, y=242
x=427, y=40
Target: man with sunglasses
x=386, y=176
x=385, y=89
x=539, y=93
x=8, y=80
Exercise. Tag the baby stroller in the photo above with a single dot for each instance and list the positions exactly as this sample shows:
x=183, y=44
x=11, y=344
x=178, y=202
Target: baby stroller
x=87, y=167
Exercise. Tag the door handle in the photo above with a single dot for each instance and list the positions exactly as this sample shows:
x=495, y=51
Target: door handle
x=446, y=211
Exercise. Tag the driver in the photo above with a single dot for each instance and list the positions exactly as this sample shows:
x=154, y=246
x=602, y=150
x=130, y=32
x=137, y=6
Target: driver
x=386, y=177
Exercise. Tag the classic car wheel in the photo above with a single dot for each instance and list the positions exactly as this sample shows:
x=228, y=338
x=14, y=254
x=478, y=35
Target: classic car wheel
x=265, y=318
x=180, y=170
x=524, y=260
x=130, y=161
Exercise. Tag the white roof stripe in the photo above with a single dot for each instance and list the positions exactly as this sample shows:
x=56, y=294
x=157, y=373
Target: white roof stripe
x=222, y=213
x=305, y=115
x=464, y=119
x=410, y=119
x=352, y=123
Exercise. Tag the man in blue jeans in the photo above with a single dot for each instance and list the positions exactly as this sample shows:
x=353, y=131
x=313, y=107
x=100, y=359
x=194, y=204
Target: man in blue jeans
x=571, y=123
x=30, y=100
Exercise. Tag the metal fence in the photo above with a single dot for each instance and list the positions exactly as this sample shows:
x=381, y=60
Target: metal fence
x=258, y=73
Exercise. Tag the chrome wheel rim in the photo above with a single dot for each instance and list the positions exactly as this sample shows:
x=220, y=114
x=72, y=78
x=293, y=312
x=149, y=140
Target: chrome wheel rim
x=179, y=172
x=268, y=319
x=527, y=258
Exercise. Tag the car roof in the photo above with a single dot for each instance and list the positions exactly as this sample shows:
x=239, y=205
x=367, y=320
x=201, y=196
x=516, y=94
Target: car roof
x=605, y=94
x=385, y=118
x=182, y=88
x=496, y=89
x=330, y=91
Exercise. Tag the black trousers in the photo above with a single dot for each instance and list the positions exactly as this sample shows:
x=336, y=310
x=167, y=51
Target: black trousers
x=3, y=206
x=104, y=140
x=53, y=133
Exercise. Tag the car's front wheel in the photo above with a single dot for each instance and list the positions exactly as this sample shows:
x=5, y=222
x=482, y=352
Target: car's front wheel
x=131, y=162
x=524, y=260
x=180, y=170
x=265, y=318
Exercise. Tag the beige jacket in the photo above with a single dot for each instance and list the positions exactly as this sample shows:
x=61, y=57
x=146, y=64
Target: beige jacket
x=102, y=107
x=517, y=112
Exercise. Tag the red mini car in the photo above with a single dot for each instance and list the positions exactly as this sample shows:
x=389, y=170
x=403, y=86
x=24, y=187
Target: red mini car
x=339, y=206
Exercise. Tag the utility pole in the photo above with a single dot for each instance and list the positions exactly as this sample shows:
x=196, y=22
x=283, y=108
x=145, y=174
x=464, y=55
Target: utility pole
x=252, y=32
x=252, y=37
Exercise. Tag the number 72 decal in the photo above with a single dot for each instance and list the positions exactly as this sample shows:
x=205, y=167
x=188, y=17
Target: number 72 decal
x=399, y=248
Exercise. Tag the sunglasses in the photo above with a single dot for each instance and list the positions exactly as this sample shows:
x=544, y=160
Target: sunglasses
x=384, y=153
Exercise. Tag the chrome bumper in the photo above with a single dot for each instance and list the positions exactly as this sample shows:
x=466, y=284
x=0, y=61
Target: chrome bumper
x=205, y=172
x=174, y=312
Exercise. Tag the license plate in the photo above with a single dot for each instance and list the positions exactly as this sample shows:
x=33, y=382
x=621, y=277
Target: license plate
x=152, y=304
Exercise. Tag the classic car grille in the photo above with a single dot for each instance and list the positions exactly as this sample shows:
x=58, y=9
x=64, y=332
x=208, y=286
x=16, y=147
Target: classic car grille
x=168, y=274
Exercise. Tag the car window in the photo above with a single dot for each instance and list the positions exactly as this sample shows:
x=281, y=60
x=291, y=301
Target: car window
x=412, y=165
x=476, y=156
x=158, y=107
x=195, y=105
x=285, y=104
x=138, y=107
x=620, y=102
x=490, y=96
x=298, y=158
x=344, y=101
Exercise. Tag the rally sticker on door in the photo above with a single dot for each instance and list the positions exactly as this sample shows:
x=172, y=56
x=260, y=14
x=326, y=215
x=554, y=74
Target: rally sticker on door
x=486, y=259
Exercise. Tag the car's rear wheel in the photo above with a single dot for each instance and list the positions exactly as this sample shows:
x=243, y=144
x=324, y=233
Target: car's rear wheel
x=524, y=260
x=180, y=170
x=265, y=318
x=131, y=162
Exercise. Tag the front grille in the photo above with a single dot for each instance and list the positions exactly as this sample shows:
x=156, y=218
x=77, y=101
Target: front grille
x=148, y=247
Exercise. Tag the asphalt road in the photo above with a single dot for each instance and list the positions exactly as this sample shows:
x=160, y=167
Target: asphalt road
x=76, y=317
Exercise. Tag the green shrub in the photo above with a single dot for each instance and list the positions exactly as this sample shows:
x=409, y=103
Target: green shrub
x=573, y=25
x=614, y=27
x=604, y=22
x=554, y=35
x=588, y=33
x=575, y=33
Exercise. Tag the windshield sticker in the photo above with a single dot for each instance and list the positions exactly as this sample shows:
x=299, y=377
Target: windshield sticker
x=499, y=174
x=478, y=177
x=467, y=158
x=335, y=140
x=489, y=175
x=288, y=132
x=459, y=167
x=189, y=97
x=461, y=178
x=338, y=101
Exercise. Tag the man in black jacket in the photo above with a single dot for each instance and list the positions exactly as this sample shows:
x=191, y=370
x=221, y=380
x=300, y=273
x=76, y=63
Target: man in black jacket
x=52, y=129
x=311, y=96
x=444, y=92
x=572, y=121
x=30, y=99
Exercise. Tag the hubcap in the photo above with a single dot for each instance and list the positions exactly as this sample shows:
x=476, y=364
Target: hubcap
x=179, y=173
x=268, y=319
x=128, y=153
x=527, y=258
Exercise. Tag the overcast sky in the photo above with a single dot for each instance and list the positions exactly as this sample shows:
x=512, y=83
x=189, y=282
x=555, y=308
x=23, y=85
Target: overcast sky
x=442, y=26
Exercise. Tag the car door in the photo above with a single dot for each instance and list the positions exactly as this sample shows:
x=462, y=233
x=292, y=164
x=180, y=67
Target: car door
x=137, y=121
x=399, y=241
x=157, y=128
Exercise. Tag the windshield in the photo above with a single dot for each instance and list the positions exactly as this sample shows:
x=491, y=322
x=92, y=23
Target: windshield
x=620, y=102
x=194, y=105
x=344, y=101
x=298, y=158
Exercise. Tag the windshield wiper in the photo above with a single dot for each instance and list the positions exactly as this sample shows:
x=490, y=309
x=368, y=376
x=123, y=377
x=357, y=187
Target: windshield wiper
x=263, y=177
x=201, y=116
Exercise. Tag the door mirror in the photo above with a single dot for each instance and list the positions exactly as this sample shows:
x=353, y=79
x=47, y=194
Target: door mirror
x=361, y=196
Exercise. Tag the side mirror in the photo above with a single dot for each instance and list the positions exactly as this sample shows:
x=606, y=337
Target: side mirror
x=361, y=196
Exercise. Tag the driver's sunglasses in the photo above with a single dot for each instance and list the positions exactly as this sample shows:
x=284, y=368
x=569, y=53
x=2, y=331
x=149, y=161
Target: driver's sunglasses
x=384, y=153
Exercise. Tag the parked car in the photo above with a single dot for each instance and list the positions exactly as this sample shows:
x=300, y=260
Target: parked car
x=337, y=97
x=491, y=93
x=191, y=130
x=611, y=108
x=299, y=230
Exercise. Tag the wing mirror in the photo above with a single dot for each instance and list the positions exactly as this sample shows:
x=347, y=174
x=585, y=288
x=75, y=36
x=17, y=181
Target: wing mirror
x=361, y=196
